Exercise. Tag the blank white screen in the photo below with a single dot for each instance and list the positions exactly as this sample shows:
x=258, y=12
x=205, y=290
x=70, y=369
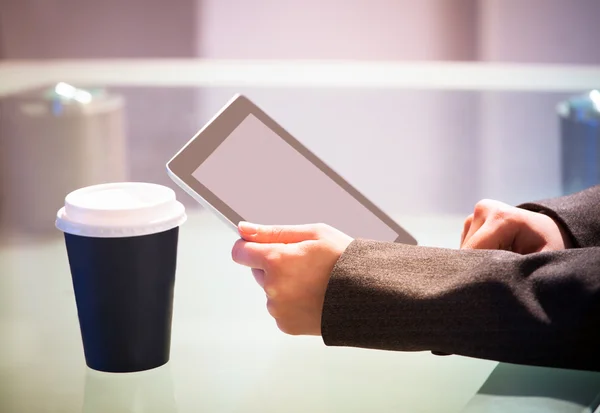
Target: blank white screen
x=266, y=181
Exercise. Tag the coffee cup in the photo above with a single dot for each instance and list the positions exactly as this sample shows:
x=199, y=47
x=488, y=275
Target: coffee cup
x=121, y=241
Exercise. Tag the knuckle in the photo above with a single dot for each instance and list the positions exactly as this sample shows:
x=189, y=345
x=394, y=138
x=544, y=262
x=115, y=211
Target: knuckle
x=505, y=214
x=483, y=207
x=499, y=215
x=236, y=250
x=272, y=308
x=321, y=228
x=271, y=289
x=276, y=234
x=273, y=260
x=275, y=287
x=469, y=220
x=301, y=251
x=286, y=327
x=271, y=292
x=491, y=210
x=259, y=276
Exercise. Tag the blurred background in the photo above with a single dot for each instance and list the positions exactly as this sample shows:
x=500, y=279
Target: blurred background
x=411, y=149
x=426, y=106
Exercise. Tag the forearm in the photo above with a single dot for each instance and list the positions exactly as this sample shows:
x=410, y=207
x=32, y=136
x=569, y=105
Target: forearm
x=541, y=309
x=578, y=214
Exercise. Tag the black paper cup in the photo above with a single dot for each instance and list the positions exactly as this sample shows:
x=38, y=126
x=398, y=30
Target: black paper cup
x=121, y=242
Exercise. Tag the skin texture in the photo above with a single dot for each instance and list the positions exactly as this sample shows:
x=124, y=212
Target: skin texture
x=293, y=263
x=496, y=225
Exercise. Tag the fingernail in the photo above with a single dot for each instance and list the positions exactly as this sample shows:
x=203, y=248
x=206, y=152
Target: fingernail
x=248, y=228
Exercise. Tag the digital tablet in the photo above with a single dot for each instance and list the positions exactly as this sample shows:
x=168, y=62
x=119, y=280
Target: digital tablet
x=244, y=166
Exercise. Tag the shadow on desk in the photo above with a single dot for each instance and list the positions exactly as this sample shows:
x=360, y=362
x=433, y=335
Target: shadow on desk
x=515, y=389
x=149, y=391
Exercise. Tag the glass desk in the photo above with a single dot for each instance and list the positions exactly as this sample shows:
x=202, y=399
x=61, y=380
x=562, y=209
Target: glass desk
x=425, y=156
x=229, y=356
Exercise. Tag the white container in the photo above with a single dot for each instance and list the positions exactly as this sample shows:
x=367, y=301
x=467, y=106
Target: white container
x=50, y=147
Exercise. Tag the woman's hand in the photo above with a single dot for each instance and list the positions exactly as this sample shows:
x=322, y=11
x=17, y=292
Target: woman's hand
x=293, y=265
x=496, y=225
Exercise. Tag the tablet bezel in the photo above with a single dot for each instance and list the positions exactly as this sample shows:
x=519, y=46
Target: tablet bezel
x=181, y=167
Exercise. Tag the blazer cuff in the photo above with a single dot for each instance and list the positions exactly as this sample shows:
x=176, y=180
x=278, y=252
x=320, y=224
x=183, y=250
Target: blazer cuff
x=372, y=303
x=578, y=214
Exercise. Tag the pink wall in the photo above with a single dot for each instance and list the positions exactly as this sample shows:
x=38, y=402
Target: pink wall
x=519, y=135
x=1, y=41
x=409, y=150
x=401, y=148
x=540, y=31
x=103, y=29
x=412, y=150
x=358, y=29
x=158, y=120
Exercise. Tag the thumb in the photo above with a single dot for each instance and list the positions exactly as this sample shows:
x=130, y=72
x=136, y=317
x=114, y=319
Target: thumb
x=277, y=234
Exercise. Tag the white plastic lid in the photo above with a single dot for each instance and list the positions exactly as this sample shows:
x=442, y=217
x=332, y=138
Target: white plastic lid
x=123, y=209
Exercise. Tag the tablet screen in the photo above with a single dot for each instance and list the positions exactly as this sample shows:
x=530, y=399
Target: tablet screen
x=266, y=181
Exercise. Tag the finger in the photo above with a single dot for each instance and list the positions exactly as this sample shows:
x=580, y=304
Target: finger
x=476, y=224
x=466, y=227
x=251, y=254
x=259, y=276
x=490, y=236
x=480, y=216
x=284, y=234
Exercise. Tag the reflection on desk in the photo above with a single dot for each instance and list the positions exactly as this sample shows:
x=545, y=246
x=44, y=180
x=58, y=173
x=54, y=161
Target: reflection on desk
x=516, y=389
x=149, y=391
x=227, y=354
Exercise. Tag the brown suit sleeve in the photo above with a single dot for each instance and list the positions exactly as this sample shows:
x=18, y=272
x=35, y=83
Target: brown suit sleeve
x=538, y=309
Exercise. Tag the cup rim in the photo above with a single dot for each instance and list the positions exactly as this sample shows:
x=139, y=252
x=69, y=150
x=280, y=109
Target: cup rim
x=78, y=218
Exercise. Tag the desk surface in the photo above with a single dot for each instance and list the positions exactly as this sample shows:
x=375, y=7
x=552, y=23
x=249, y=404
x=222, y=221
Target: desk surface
x=228, y=355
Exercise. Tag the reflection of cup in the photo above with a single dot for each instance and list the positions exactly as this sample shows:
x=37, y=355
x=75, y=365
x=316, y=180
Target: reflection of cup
x=121, y=241
x=149, y=391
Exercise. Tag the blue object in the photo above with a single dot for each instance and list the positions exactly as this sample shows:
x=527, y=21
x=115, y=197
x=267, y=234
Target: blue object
x=57, y=107
x=580, y=142
x=124, y=296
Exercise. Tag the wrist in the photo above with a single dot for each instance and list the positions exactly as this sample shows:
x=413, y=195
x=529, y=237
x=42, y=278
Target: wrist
x=562, y=229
